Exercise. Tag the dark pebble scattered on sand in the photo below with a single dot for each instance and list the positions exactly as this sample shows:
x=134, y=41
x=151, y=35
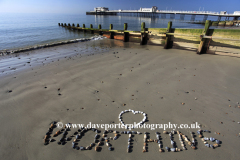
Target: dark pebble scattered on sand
x=9, y=91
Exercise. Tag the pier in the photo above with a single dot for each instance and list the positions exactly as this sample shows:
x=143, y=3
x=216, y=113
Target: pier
x=153, y=12
x=201, y=41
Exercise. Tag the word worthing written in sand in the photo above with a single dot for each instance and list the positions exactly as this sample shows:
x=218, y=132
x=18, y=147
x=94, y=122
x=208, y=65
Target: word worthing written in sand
x=100, y=141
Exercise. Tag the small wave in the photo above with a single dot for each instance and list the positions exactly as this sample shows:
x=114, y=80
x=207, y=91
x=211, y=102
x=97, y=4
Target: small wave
x=6, y=52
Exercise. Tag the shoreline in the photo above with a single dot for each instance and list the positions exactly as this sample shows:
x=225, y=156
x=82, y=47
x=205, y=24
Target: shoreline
x=25, y=49
x=94, y=81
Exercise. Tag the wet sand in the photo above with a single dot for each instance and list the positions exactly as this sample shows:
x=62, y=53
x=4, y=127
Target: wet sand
x=94, y=81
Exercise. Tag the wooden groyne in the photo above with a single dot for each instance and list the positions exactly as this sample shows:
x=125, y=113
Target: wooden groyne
x=200, y=40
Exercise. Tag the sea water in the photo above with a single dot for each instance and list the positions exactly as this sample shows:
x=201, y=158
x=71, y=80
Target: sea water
x=26, y=30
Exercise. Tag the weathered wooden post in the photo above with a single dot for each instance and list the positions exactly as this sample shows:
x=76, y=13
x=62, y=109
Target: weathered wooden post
x=168, y=37
x=69, y=25
x=125, y=34
x=91, y=31
x=59, y=24
x=100, y=27
x=125, y=26
x=111, y=32
x=78, y=25
x=111, y=26
x=83, y=28
x=73, y=25
x=202, y=48
x=142, y=26
x=65, y=24
x=143, y=34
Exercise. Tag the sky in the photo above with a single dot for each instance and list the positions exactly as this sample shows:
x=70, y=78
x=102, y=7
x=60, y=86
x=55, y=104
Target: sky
x=81, y=6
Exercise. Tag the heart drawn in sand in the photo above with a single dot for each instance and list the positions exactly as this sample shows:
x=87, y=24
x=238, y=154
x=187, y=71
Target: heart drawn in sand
x=132, y=125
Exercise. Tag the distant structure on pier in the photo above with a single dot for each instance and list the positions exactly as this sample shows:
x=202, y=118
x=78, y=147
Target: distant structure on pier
x=101, y=9
x=153, y=9
x=154, y=12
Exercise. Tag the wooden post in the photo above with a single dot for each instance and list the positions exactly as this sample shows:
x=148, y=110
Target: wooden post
x=202, y=48
x=78, y=25
x=111, y=26
x=125, y=34
x=83, y=26
x=168, y=37
x=111, y=33
x=125, y=26
x=142, y=26
x=59, y=24
x=100, y=27
x=65, y=24
x=126, y=37
x=69, y=25
x=91, y=31
x=143, y=34
x=73, y=25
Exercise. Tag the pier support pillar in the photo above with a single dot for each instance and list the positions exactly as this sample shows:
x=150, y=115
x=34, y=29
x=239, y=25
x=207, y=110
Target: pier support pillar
x=193, y=17
x=163, y=16
x=205, y=18
x=182, y=16
x=235, y=18
x=172, y=16
x=168, y=42
x=202, y=48
x=219, y=18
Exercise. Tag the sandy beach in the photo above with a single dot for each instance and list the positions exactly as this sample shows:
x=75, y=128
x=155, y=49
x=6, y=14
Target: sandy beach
x=94, y=81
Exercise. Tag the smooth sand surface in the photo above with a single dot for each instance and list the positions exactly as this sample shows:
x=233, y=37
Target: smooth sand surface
x=144, y=78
